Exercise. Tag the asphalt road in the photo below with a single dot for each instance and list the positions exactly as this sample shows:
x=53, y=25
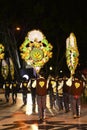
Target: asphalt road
x=19, y=117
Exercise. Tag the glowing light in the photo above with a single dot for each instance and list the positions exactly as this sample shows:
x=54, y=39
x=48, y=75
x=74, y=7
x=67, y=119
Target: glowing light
x=61, y=71
x=29, y=105
x=18, y=28
x=51, y=68
x=26, y=76
x=34, y=127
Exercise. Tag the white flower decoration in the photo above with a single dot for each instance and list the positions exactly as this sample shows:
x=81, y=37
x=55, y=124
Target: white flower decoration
x=35, y=35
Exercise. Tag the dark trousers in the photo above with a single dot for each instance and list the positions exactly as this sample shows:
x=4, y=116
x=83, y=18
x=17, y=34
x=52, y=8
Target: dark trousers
x=66, y=98
x=33, y=96
x=41, y=102
x=24, y=98
x=60, y=102
x=14, y=97
x=51, y=96
x=76, y=105
x=7, y=95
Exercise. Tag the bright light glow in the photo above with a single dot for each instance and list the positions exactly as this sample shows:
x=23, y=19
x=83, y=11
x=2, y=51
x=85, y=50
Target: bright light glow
x=29, y=105
x=35, y=35
x=17, y=28
x=51, y=68
x=34, y=127
x=61, y=71
x=26, y=76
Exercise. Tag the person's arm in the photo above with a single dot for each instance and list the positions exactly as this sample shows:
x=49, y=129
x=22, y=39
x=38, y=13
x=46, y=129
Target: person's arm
x=48, y=80
x=54, y=84
x=29, y=83
x=69, y=82
x=60, y=85
x=3, y=86
x=21, y=85
x=34, y=84
x=10, y=86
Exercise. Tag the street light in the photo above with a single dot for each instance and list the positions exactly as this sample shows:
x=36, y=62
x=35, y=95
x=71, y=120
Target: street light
x=51, y=68
x=18, y=28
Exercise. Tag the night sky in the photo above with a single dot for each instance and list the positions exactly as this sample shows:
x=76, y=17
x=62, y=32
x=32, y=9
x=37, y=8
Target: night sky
x=55, y=18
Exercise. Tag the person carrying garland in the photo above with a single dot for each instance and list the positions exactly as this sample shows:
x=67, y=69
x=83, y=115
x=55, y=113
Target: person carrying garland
x=14, y=89
x=59, y=94
x=77, y=89
x=41, y=92
x=24, y=87
x=66, y=95
x=51, y=85
x=33, y=93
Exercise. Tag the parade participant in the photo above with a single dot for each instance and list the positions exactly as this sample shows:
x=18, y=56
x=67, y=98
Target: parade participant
x=60, y=94
x=51, y=83
x=54, y=86
x=24, y=87
x=77, y=89
x=14, y=89
x=6, y=86
x=41, y=91
x=33, y=93
x=66, y=94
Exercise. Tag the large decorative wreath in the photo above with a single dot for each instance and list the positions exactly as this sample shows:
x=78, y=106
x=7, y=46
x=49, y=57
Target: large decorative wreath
x=36, y=50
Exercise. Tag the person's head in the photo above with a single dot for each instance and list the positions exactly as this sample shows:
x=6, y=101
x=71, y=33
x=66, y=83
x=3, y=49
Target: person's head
x=41, y=74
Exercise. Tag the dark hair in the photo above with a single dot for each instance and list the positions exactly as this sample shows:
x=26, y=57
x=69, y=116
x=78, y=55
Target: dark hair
x=41, y=73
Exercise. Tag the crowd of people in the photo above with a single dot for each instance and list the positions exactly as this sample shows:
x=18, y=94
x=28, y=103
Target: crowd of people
x=64, y=93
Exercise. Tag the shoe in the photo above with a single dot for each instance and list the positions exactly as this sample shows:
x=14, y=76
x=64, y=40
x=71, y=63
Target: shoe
x=66, y=111
x=15, y=101
x=78, y=116
x=44, y=118
x=74, y=116
x=7, y=100
x=60, y=109
x=40, y=121
x=24, y=103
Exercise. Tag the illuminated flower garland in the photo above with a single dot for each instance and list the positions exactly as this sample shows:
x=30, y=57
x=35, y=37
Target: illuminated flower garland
x=72, y=53
x=4, y=69
x=36, y=50
x=1, y=51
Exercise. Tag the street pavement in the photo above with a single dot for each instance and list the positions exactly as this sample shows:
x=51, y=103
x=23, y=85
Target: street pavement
x=20, y=117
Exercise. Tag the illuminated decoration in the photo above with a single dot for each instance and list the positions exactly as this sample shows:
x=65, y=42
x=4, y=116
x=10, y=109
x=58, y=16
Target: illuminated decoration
x=72, y=53
x=26, y=76
x=11, y=68
x=1, y=51
x=4, y=69
x=36, y=50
